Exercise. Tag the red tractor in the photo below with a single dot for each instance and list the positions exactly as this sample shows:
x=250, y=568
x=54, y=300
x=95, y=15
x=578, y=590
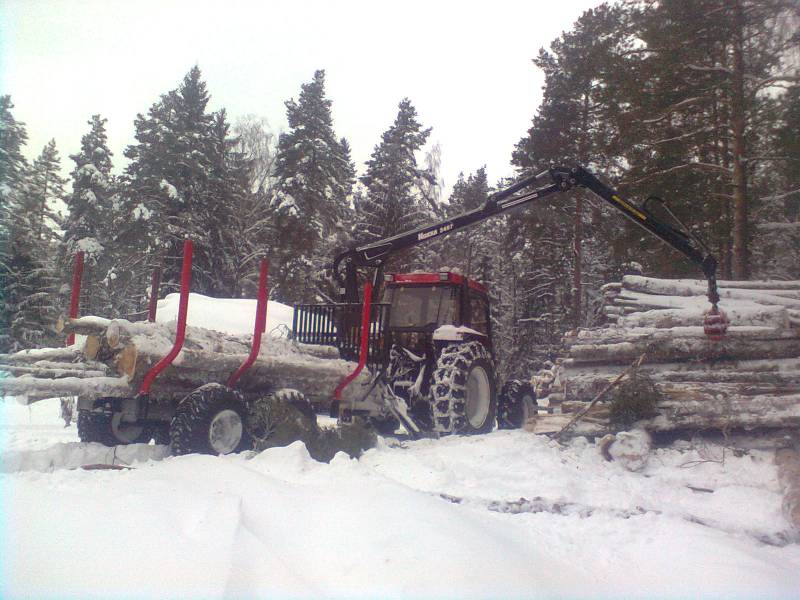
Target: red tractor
x=429, y=342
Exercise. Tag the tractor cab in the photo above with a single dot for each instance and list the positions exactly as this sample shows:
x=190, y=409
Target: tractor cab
x=423, y=302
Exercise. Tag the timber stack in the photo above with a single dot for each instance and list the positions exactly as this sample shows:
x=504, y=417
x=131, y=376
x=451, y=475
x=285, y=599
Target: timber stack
x=749, y=380
x=116, y=355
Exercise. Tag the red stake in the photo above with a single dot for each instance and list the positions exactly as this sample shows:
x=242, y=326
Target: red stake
x=260, y=325
x=155, y=285
x=364, y=350
x=77, y=277
x=180, y=333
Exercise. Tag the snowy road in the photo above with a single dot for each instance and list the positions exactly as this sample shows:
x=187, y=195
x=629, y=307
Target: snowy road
x=421, y=520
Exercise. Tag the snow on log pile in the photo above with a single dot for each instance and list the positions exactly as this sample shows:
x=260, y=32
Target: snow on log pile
x=749, y=380
x=117, y=354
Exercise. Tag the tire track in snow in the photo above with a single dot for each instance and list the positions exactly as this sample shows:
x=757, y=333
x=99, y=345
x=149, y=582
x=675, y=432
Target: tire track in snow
x=256, y=559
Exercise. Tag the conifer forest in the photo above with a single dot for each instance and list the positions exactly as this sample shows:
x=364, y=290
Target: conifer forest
x=697, y=103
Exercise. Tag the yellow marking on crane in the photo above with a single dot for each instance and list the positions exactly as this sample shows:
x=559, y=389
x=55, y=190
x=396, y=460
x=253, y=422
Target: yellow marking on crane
x=628, y=207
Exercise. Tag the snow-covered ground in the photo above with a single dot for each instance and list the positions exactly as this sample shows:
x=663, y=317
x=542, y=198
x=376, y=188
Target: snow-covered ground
x=506, y=515
x=426, y=519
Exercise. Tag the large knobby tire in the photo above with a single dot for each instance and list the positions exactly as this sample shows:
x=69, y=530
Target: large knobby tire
x=463, y=394
x=210, y=420
x=95, y=427
x=517, y=404
x=110, y=430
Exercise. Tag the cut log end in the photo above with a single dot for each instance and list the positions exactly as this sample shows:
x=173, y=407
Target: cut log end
x=91, y=347
x=113, y=334
x=126, y=361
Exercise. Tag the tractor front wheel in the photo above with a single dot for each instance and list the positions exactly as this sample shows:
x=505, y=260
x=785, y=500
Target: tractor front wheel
x=463, y=393
x=210, y=420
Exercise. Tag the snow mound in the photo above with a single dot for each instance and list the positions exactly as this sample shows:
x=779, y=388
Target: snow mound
x=228, y=315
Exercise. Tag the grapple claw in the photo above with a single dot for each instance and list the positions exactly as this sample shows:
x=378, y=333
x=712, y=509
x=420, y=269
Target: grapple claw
x=715, y=325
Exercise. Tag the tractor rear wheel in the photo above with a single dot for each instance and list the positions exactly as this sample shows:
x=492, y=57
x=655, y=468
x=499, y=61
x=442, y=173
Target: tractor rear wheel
x=517, y=404
x=463, y=393
x=210, y=420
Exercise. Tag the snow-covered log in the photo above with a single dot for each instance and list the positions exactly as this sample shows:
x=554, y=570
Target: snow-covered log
x=31, y=389
x=764, y=292
x=69, y=354
x=779, y=345
x=53, y=373
x=761, y=316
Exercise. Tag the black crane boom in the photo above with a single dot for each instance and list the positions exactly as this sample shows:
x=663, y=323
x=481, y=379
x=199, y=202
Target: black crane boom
x=562, y=179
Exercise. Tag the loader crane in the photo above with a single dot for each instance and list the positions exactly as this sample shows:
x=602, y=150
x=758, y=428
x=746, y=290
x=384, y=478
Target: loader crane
x=429, y=341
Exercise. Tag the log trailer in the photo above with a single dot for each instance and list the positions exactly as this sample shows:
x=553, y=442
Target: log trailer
x=429, y=341
x=189, y=405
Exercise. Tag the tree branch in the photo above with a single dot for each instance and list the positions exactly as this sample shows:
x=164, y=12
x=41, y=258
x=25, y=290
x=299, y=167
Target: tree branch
x=715, y=68
x=697, y=165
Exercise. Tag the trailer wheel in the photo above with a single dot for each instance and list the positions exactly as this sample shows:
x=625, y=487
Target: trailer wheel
x=109, y=430
x=210, y=420
x=95, y=427
x=517, y=404
x=298, y=400
x=160, y=434
x=463, y=394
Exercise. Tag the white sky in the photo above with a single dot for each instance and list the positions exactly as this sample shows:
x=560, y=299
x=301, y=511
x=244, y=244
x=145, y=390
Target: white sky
x=466, y=66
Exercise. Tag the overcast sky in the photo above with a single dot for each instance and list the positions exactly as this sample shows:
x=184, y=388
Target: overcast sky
x=466, y=66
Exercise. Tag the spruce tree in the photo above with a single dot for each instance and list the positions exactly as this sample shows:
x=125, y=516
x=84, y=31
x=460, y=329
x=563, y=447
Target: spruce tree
x=89, y=218
x=230, y=217
x=168, y=191
x=314, y=179
x=13, y=166
x=465, y=250
x=394, y=202
x=32, y=281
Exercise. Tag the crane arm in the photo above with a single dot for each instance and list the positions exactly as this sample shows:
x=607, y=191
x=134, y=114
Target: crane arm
x=561, y=179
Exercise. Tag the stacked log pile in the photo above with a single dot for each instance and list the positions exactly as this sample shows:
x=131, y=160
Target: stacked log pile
x=116, y=355
x=749, y=380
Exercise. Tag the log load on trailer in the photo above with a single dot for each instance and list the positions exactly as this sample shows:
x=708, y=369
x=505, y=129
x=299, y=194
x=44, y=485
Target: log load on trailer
x=429, y=343
x=190, y=387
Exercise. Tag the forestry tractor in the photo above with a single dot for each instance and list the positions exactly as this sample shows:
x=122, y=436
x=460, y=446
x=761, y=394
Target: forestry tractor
x=428, y=342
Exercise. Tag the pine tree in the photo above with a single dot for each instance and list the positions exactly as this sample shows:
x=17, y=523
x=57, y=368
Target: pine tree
x=708, y=66
x=314, y=180
x=578, y=123
x=393, y=202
